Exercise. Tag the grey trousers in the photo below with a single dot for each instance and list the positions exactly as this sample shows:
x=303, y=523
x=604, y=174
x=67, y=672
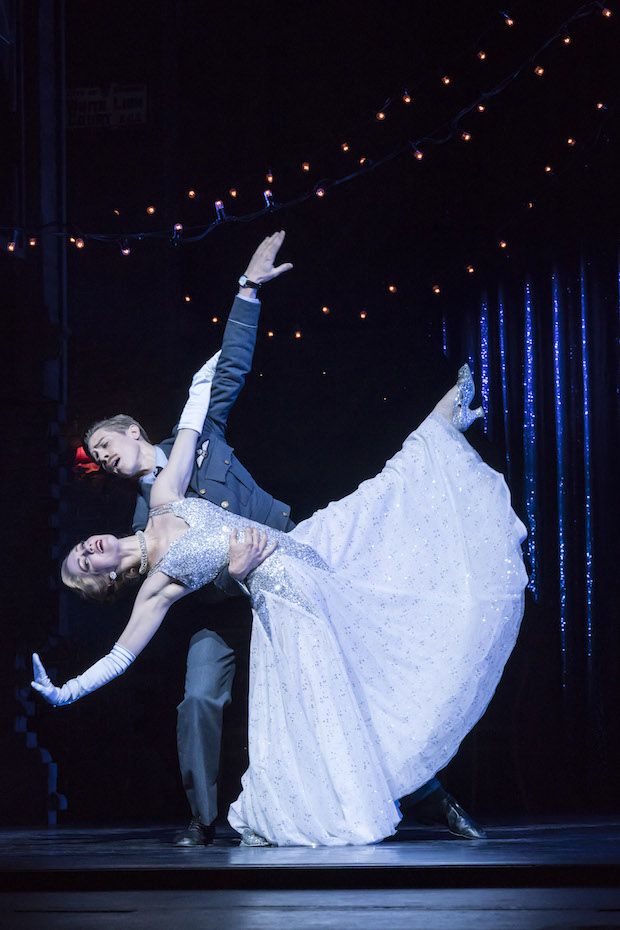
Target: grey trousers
x=208, y=684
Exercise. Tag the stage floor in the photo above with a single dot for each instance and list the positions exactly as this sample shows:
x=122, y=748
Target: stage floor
x=527, y=876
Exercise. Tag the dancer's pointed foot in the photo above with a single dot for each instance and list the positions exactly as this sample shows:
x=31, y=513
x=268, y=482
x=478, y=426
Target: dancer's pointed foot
x=462, y=416
x=454, y=406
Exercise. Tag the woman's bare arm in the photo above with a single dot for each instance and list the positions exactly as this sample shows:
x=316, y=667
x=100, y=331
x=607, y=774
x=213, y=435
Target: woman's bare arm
x=172, y=482
x=154, y=600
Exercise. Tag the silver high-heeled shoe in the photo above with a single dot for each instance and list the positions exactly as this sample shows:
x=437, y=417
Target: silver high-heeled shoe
x=462, y=416
x=250, y=838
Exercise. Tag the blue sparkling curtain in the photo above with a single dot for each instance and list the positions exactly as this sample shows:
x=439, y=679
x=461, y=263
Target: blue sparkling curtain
x=560, y=400
x=530, y=446
x=546, y=363
x=587, y=469
x=503, y=366
x=484, y=359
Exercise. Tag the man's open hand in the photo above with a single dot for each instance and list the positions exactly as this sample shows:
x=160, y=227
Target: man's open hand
x=261, y=267
x=247, y=549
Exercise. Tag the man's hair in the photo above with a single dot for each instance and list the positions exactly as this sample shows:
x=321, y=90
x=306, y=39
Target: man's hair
x=118, y=424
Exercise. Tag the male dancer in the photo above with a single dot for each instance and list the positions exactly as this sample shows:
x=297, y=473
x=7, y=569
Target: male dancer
x=122, y=448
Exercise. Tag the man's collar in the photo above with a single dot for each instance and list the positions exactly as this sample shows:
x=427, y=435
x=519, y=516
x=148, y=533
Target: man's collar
x=160, y=462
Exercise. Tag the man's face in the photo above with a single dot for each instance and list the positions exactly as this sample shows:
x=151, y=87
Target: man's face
x=117, y=453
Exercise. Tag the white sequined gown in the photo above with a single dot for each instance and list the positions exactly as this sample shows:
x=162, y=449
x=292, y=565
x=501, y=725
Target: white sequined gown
x=381, y=628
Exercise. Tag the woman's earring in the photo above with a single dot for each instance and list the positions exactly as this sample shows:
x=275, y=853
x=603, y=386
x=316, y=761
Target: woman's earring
x=113, y=576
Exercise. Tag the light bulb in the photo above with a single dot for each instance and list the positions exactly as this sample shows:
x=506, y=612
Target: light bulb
x=150, y=210
x=233, y=192
x=345, y=146
x=503, y=244
x=466, y=136
x=297, y=334
x=446, y=79
x=482, y=55
x=363, y=315
x=380, y=115
x=320, y=192
x=418, y=154
x=539, y=70
x=305, y=166
x=406, y=97
x=191, y=194
x=470, y=269
x=392, y=288
x=436, y=289
x=79, y=243
x=325, y=310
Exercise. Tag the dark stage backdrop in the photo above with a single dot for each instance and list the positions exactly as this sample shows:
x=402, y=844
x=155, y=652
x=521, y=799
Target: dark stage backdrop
x=537, y=320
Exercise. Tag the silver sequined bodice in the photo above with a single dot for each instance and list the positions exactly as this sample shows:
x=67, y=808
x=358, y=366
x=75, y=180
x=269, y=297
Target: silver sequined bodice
x=196, y=557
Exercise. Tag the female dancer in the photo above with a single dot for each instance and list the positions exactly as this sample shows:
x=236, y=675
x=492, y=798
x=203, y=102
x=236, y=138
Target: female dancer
x=381, y=625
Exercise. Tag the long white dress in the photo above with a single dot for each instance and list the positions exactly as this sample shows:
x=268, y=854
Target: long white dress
x=381, y=628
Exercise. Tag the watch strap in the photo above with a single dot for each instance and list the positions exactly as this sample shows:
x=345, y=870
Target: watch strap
x=244, y=281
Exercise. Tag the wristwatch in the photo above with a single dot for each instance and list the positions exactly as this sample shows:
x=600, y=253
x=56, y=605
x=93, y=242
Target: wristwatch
x=244, y=281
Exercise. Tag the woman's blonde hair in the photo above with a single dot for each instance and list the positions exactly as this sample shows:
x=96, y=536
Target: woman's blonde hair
x=100, y=588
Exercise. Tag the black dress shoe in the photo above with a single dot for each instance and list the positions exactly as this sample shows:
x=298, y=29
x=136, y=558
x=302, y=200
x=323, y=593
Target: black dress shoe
x=197, y=834
x=441, y=808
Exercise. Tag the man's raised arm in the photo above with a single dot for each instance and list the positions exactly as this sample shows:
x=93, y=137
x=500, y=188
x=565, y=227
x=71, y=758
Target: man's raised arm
x=239, y=338
x=237, y=351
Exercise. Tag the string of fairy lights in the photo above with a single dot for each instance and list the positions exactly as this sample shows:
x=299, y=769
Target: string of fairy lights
x=452, y=129
x=487, y=358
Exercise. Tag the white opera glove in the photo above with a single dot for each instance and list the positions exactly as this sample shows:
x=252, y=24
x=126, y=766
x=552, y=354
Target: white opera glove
x=197, y=406
x=111, y=666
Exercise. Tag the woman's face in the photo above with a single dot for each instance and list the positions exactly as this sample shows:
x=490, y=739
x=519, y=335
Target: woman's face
x=95, y=556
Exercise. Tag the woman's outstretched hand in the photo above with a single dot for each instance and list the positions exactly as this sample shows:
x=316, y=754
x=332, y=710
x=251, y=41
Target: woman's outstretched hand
x=248, y=548
x=43, y=685
x=261, y=266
